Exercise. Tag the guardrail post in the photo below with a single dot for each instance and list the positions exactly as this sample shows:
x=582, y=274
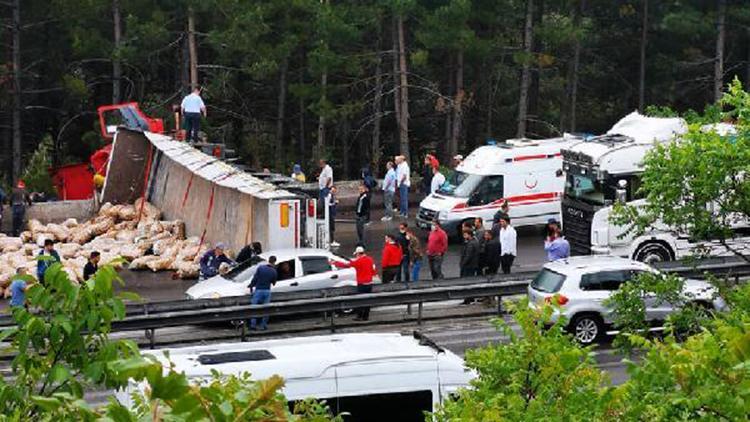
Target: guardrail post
x=150, y=335
x=419, y=314
x=499, y=305
x=243, y=330
x=333, y=322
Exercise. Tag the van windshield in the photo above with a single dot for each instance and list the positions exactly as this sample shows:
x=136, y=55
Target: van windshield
x=460, y=184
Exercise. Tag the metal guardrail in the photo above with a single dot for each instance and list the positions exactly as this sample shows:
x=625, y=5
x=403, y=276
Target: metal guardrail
x=156, y=315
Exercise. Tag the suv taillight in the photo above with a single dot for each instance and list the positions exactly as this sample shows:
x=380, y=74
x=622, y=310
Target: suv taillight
x=560, y=299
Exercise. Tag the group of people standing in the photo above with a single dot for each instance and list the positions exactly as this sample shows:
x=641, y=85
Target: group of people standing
x=486, y=251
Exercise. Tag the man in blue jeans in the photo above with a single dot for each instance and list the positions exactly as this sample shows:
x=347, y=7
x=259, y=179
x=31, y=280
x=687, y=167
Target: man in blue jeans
x=192, y=109
x=403, y=175
x=265, y=277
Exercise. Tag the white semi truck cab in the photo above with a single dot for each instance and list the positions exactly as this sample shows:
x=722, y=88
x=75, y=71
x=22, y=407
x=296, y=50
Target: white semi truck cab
x=605, y=169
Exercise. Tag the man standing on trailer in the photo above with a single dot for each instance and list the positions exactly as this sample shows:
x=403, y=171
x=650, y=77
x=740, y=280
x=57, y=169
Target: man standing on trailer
x=192, y=110
x=325, y=180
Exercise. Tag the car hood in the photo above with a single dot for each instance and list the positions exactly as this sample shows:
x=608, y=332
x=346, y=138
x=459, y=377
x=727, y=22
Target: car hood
x=699, y=289
x=438, y=202
x=216, y=286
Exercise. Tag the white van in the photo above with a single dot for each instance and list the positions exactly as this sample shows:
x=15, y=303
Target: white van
x=526, y=173
x=372, y=376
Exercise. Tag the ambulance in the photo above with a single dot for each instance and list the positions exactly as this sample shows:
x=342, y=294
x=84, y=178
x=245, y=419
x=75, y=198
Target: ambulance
x=525, y=173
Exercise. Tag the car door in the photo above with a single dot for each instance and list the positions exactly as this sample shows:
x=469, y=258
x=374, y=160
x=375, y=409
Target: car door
x=317, y=273
x=599, y=286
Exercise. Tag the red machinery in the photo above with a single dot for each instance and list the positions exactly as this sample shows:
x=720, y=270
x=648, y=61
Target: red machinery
x=76, y=181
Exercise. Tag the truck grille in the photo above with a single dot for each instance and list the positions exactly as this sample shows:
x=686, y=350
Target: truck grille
x=426, y=215
x=577, y=217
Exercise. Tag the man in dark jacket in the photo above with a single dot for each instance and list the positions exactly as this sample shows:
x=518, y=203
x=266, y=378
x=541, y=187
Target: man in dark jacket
x=265, y=277
x=19, y=200
x=46, y=258
x=469, y=255
x=92, y=266
x=363, y=213
x=212, y=259
x=250, y=252
x=403, y=242
x=490, y=254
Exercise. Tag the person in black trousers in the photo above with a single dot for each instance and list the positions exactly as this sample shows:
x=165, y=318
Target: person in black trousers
x=403, y=242
x=470, y=255
x=363, y=213
x=491, y=254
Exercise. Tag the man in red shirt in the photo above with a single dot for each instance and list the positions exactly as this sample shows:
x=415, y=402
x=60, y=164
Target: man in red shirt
x=390, y=262
x=437, y=245
x=365, y=269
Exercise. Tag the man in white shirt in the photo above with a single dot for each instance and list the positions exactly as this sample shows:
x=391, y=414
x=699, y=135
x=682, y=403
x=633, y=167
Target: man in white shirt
x=437, y=180
x=403, y=175
x=325, y=180
x=192, y=109
x=389, y=191
x=507, y=244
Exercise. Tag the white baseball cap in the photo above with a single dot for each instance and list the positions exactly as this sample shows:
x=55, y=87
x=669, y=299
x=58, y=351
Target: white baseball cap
x=458, y=157
x=359, y=249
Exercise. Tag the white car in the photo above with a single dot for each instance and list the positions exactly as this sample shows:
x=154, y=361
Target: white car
x=299, y=269
x=581, y=284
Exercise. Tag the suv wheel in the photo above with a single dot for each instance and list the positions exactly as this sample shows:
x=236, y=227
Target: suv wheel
x=586, y=328
x=653, y=252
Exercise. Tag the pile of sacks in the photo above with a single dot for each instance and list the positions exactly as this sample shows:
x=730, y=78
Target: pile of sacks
x=116, y=232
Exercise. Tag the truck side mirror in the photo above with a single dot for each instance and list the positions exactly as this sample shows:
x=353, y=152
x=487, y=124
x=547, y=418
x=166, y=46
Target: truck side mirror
x=621, y=193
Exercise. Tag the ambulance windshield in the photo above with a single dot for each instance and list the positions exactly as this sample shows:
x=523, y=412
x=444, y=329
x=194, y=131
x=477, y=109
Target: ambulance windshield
x=460, y=184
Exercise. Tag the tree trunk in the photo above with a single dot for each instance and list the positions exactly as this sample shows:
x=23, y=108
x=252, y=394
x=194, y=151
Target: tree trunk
x=302, y=142
x=457, y=105
x=281, y=110
x=719, y=61
x=116, y=62
x=578, y=10
x=377, y=110
x=523, y=97
x=396, y=85
x=642, y=73
x=192, y=49
x=320, y=147
x=17, y=105
x=536, y=48
x=403, y=127
x=448, y=111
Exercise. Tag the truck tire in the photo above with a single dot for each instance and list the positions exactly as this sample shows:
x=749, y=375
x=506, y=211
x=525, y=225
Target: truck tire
x=652, y=252
x=586, y=328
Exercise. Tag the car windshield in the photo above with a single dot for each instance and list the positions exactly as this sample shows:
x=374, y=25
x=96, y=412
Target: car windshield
x=243, y=271
x=460, y=184
x=585, y=189
x=548, y=281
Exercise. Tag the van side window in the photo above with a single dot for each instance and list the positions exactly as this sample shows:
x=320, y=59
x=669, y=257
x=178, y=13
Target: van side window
x=407, y=406
x=490, y=190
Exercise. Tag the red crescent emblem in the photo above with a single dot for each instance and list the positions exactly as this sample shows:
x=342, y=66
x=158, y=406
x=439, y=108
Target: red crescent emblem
x=530, y=185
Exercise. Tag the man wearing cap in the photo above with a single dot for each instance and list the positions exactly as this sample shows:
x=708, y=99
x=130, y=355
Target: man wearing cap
x=364, y=266
x=19, y=200
x=457, y=160
x=212, y=260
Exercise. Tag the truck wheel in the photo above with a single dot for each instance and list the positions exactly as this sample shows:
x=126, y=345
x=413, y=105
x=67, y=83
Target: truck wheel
x=586, y=328
x=653, y=252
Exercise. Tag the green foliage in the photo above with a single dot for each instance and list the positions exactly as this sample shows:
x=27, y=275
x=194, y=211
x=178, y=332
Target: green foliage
x=542, y=374
x=36, y=175
x=697, y=186
x=62, y=348
x=539, y=374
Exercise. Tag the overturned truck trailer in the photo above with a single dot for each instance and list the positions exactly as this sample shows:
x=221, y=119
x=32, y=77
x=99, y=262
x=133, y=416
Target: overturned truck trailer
x=217, y=202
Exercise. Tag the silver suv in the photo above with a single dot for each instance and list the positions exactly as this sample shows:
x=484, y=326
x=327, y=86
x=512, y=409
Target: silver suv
x=581, y=284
